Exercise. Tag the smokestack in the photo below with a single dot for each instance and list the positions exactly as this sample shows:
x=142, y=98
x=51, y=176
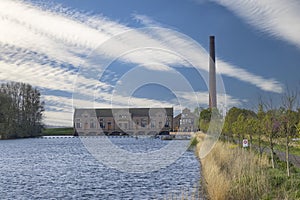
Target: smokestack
x=212, y=74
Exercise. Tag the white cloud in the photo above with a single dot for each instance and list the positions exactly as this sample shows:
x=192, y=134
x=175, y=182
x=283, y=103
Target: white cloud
x=243, y=75
x=175, y=40
x=45, y=47
x=146, y=20
x=275, y=17
x=58, y=118
x=201, y=98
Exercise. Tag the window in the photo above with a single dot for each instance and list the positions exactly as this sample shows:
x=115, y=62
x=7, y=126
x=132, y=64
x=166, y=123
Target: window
x=153, y=124
x=143, y=122
x=167, y=124
x=78, y=124
x=102, y=123
x=109, y=126
x=92, y=124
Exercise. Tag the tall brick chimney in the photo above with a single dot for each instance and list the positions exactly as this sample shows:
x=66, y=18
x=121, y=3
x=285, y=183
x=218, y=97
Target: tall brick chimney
x=212, y=73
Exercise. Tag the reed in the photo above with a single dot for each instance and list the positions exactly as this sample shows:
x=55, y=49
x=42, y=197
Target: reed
x=234, y=173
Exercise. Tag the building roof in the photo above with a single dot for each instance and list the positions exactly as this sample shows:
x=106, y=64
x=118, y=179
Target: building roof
x=108, y=112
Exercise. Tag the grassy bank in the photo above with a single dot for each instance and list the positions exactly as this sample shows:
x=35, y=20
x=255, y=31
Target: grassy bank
x=234, y=173
x=58, y=131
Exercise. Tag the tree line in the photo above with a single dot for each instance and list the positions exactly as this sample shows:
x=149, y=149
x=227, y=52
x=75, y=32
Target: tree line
x=21, y=111
x=268, y=125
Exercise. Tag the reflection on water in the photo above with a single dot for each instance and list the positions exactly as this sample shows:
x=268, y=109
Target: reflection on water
x=62, y=168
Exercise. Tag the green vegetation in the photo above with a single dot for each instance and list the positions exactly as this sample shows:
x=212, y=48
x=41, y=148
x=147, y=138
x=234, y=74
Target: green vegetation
x=20, y=111
x=193, y=143
x=270, y=127
x=231, y=172
x=205, y=118
x=273, y=129
x=280, y=146
x=58, y=131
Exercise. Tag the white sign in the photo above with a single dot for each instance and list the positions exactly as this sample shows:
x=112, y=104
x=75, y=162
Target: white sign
x=245, y=143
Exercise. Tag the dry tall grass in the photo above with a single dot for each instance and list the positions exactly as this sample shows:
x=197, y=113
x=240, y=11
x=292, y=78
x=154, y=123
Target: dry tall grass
x=233, y=173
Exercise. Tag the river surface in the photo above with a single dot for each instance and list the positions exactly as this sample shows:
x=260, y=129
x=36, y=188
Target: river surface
x=63, y=168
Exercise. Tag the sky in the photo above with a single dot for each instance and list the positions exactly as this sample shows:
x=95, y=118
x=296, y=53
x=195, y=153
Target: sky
x=97, y=53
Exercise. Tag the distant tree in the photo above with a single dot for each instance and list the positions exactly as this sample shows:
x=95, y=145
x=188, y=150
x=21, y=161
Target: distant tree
x=232, y=117
x=289, y=119
x=298, y=129
x=239, y=128
x=22, y=115
x=271, y=127
x=259, y=126
x=5, y=103
x=288, y=129
x=251, y=128
x=205, y=117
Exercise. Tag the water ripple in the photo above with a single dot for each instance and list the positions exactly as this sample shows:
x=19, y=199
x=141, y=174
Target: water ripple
x=61, y=168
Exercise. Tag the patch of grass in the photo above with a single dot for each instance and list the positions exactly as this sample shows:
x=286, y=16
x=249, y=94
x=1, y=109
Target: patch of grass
x=234, y=173
x=58, y=131
x=283, y=187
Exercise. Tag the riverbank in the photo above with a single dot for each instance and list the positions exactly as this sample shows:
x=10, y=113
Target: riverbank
x=230, y=172
x=58, y=131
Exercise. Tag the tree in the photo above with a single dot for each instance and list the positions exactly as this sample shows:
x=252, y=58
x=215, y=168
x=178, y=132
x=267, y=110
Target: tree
x=271, y=128
x=22, y=114
x=231, y=117
x=239, y=127
x=251, y=128
x=298, y=129
x=204, y=119
x=288, y=129
x=289, y=121
x=5, y=102
x=259, y=126
x=210, y=120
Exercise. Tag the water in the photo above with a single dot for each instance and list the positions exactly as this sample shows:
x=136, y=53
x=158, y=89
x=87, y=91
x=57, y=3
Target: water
x=62, y=168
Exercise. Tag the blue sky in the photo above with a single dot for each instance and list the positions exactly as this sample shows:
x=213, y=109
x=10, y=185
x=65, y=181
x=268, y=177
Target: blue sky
x=51, y=45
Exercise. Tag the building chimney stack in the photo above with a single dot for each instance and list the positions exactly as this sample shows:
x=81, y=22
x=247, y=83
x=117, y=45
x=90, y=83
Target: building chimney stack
x=212, y=74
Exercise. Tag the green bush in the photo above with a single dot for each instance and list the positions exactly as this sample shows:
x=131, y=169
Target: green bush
x=193, y=142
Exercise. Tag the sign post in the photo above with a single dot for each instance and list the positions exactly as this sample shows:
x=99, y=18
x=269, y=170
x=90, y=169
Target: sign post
x=245, y=143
